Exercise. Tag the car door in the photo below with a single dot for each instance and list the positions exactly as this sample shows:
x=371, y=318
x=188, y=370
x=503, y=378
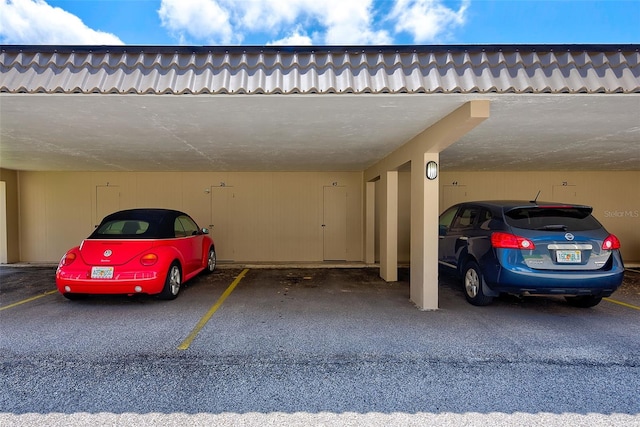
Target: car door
x=479, y=237
x=445, y=248
x=454, y=239
x=190, y=242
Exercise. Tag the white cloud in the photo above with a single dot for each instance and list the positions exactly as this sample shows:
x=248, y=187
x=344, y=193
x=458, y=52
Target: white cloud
x=36, y=22
x=230, y=21
x=287, y=22
x=198, y=19
x=350, y=22
x=266, y=15
x=426, y=20
x=297, y=38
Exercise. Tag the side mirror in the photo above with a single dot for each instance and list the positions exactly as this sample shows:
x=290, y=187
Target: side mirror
x=204, y=231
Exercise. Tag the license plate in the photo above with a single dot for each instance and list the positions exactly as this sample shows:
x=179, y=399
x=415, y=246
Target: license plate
x=102, y=272
x=571, y=257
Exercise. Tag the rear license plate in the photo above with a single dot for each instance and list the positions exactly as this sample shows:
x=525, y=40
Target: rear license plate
x=102, y=272
x=570, y=257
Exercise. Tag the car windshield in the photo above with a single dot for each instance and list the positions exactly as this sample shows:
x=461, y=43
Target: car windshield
x=553, y=218
x=121, y=227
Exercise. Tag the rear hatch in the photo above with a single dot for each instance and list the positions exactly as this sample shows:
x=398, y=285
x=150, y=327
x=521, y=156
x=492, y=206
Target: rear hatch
x=566, y=237
x=113, y=251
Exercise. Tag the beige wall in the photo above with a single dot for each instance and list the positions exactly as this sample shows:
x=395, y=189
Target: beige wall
x=615, y=196
x=278, y=216
x=9, y=217
x=261, y=216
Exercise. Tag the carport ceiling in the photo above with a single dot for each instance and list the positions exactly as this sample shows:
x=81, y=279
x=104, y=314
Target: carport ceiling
x=310, y=132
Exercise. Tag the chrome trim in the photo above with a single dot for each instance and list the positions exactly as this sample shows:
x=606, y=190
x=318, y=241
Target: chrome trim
x=447, y=264
x=571, y=246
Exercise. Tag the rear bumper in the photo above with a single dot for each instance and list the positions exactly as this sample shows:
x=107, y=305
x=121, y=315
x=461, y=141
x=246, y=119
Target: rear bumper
x=130, y=282
x=523, y=282
x=508, y=273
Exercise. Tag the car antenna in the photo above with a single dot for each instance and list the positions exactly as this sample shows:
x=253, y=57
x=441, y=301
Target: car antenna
x=534, y=201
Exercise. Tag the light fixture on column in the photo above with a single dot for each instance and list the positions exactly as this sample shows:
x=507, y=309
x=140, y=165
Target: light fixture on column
x=432, y=170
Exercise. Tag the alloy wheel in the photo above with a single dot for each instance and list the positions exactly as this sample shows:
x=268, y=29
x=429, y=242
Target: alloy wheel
x=471, y=283
x=174, y=280
x=211, y=262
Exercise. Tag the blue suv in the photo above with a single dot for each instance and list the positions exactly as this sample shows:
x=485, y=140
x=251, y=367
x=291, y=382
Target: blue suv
x=529, y=248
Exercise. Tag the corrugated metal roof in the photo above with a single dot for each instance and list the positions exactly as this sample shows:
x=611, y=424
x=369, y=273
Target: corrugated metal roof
x=286, y=70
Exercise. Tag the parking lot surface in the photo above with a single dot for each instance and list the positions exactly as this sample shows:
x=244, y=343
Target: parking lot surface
x=322, y=346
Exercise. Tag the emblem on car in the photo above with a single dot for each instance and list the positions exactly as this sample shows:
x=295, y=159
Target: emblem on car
x=107, y=253
x=569, y=236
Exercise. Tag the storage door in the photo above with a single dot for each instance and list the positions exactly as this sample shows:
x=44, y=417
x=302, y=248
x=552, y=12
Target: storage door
x=335, y=223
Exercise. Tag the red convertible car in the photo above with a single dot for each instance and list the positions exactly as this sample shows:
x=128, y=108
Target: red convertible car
x=137, y=251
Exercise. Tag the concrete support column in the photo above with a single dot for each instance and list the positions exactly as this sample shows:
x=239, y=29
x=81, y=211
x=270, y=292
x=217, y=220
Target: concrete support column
x=422, y=148
x=9, y=217
x=424, y=234
x=3, y=223
x=389, y=227
x=370, y=223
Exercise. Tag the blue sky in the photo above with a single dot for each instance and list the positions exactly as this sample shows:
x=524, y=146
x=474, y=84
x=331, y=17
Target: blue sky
x=318, y=22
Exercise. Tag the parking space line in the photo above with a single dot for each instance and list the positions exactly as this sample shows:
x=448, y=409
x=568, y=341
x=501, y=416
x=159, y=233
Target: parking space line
x=203, y=321
x=24, y=301
x=624, y=304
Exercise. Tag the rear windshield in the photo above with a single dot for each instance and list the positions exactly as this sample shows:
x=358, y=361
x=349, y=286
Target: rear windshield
x=552, y=219
x=121, y=228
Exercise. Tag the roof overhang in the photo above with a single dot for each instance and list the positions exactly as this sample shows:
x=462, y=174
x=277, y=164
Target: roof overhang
x=143, y=108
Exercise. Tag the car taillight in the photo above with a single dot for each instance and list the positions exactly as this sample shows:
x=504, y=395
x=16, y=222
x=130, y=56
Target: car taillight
x=611, y=242
x=148, y=259
x=511, y=241
x=68, y=259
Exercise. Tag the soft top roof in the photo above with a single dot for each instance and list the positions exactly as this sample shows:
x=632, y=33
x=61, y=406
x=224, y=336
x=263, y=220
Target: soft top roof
x=161, y=223
x=147, y=214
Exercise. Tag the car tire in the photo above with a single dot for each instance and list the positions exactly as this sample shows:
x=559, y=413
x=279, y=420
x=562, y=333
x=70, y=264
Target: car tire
x=473, y=285
x=211, y=261
x=172, y=283
x=584, y=301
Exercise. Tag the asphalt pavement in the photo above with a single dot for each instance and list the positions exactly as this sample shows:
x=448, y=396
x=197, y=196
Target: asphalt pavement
x=321, y=346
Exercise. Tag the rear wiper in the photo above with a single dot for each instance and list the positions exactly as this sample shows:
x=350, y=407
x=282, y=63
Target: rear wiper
x=553, y=227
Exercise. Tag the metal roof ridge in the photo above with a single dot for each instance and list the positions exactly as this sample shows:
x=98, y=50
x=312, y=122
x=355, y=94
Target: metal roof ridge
x=125, y=71
x=607, y=47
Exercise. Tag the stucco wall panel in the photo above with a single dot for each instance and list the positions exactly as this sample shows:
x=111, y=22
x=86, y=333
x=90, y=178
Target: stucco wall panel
x=275, y=216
